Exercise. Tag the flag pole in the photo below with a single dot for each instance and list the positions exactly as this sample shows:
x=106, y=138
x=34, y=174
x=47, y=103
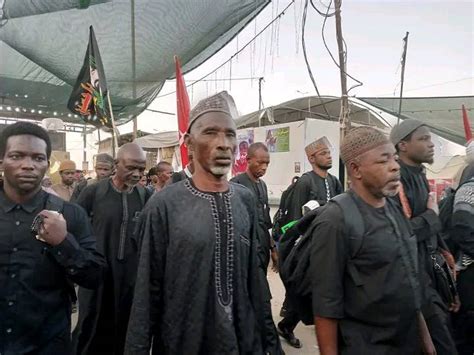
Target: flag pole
x=114, y=135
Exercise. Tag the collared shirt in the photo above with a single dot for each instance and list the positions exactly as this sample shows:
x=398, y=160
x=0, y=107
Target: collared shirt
x=36, y=279
x=64, y=191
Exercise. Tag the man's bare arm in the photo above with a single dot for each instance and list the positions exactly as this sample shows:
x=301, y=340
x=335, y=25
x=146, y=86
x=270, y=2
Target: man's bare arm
x=326, y=333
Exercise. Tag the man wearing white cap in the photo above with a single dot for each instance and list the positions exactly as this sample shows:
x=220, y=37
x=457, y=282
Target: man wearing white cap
x=198, y=284
x=316, y=184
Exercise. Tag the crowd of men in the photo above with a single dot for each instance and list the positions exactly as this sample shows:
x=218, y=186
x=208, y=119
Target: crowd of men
x=176, y=263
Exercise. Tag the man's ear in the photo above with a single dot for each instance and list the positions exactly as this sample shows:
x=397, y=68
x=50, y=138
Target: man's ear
x=402, y=146
x=188, y=142
x=354, y=171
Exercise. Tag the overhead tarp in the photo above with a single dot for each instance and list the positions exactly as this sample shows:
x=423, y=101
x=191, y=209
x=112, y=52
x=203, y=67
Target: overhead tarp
x=42, y=47
x=158, y=140
x=442, y=114
x=310, y=107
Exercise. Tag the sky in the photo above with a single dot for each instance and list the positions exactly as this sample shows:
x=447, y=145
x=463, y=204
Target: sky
x=440, y=57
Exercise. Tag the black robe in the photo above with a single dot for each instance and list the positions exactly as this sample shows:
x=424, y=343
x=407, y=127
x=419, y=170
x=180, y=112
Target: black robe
x=427, y=226
x=104, y=313
x=197, y=289
x=259, y=189
x=311, y=186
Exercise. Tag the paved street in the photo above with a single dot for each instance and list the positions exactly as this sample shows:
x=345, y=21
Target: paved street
x=304, y=333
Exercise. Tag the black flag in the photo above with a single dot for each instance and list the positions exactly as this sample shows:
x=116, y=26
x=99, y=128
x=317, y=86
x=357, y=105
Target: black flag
x=89, y=95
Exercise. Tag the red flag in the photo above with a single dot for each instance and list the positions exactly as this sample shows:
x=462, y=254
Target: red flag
x=467, y=125
x=183, y=108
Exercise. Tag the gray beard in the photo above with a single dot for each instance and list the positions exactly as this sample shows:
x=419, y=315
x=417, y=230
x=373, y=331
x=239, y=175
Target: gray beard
x=220, y=170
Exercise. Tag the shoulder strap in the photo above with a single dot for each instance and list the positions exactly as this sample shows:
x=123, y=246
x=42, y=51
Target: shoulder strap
x=54, y=203
x=354, y=222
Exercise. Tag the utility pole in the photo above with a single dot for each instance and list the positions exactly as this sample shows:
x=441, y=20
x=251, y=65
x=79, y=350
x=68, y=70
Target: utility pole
x=404, y=60
x=134, y=74
x=344, y=119
x=260, y=102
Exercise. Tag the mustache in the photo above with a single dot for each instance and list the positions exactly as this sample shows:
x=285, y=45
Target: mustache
x=224, y=156
x=396, y=178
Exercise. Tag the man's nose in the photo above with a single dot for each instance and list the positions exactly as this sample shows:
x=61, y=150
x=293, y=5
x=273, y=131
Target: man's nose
x=27, y=163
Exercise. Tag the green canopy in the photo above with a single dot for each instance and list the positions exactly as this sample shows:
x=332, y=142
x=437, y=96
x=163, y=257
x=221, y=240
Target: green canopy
x=42, y=47
x=442, y=114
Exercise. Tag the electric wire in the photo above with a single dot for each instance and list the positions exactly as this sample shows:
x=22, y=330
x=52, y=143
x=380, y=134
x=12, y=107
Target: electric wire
x=239, y=51
x=359, y=83
x=303, y=44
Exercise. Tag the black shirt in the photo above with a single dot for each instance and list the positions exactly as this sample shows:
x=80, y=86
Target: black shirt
x=373, y=291
x=311, y=186
x=36, y=279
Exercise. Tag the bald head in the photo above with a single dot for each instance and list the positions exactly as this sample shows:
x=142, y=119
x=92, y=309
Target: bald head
x=131, y=149
x=131, y=162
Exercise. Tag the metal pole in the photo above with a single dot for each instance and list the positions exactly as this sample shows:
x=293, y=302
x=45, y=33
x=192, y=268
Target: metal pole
x=404, y=59
x=114, y=129
x=134, y=73
x=84, y=156
x=260, y=103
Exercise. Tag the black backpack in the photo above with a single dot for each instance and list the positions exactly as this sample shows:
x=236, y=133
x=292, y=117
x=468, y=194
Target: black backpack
x=295, y=250
x=281, y=217
x=446, y=206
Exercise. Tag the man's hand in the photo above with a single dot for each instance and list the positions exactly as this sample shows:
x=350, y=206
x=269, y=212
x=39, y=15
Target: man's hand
x=456, y=305
x=53, y=230
x=427, y=346
x=274, y=256
x=431, y=204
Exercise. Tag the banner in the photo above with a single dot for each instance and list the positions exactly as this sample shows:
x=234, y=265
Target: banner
x=244, y=139
x=183, y=108
x=278, y=140
x=89, y=95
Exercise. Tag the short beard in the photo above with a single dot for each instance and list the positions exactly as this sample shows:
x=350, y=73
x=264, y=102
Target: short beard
x=390, y=193
x=220, y=171
x=325, y=168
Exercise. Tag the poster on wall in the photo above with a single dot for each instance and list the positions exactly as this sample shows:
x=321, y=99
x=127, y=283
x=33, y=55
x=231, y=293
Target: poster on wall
x=439, y=186
x=278, y=140
x=244, y=139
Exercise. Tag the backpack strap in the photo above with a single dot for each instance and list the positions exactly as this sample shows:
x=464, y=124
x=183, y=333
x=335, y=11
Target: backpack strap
x=353, y=220
x=54, y=203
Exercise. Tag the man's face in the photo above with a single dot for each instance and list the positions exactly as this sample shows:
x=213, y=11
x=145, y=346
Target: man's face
x=25, y=163
x=130, y=168
x=68, y=177
x=258, y=163
x=322, y=159
x=165, y=176
x=419, y=148
x=103, y=170
x=213, y=143
x=378, y=170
